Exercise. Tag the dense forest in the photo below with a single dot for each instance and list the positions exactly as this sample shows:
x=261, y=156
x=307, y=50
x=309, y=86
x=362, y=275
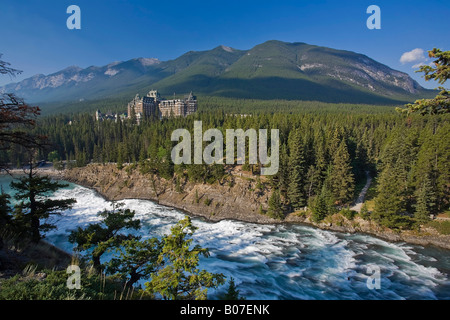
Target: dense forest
x=324, y=155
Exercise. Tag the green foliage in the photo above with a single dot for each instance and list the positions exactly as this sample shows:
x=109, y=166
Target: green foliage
x=5, y=209
x=164, y=163
x=441, y=73
x=53, y=156
x=216, y=172
x=196, y=199
x=295, y=189
x=178, y=187
x=426, y=199
x=180, y=278
x=169, y=264
x=443, y=227
x=35, y=207
x=320, y=144
x=349, y=214
x=102, y=236
x=261, y=210
x=137, y=259
x=319, y=208
x=440, y=104
x=341, y=177
x=275, y=209
x=232, y=292
x=281, y=179
x=207, y=201
x=390, y=199
x=271, y=70
x=364, y=213
x=53, y=286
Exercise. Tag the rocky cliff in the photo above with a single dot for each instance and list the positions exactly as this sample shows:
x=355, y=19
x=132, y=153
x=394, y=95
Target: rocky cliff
x=239, y=196
x=235, y=197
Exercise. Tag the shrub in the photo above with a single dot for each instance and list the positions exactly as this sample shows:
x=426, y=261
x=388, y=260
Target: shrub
x=349, y=214
x=443, y=227
x=207, y=201
x=364, y=213
x=52, y=285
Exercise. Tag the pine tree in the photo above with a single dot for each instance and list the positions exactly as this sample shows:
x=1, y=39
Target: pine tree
x=296, y=187
x=100, y=237
x=137, y=259
x=283, y=172
x=275, y=209
x=364, y=213
x=5, y=214
x=35, y=205
x=165, y=164
x=319, y=209
x=196, y=199
x=335, y=139
x=5, y=208
x=180, y=278
x=341, y=177
x=425, y=201
x=232, y=291
x=389, y=202
x=178, y=185
x=120, y=157
x=441, y=73
x=96, y=154
x=321, y=205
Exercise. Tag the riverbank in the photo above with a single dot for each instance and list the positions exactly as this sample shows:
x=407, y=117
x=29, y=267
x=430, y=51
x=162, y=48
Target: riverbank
x=239, y=196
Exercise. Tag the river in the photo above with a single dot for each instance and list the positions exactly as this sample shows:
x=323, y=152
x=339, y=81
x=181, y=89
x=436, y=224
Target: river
x=284, y=261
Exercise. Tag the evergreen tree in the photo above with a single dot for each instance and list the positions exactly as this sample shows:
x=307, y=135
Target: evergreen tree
x=5, y=208
x=425, y=201
x=35, y=205
x=180, y=278
x=196, y=172
x=215, y=172
x=364, y=213
x=178, y=187
x=283, y=172
x=133, y=117
x=5, y=215
x=312, y=180
x=97, y=154
x=232, y=291
x=389, y=202
x=165, y=164
x=120, y=157
x=275, y=209
x=196, y=199
x=441, y=73
x=341, y=177
x=137, y=259
x=335, y=139
x=296, y=187
x=320, y=207
x=100, y=237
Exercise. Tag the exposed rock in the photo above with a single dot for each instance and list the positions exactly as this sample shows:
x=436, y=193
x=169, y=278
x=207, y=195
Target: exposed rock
x=239, y=200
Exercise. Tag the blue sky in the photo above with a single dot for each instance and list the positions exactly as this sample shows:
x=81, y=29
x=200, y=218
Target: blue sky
x=35, y=39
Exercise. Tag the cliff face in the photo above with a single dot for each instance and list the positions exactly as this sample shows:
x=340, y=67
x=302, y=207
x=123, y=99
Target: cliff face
x=237, y=197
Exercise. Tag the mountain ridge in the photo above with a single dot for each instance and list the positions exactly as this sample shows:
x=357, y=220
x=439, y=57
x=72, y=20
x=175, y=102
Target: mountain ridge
x=271, y=70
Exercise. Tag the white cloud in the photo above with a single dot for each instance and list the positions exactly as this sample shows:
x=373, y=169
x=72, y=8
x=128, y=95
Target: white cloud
x=416, y=55
x=418, y=65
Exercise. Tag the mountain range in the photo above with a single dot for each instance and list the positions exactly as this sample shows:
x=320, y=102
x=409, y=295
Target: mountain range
x=271, y=70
